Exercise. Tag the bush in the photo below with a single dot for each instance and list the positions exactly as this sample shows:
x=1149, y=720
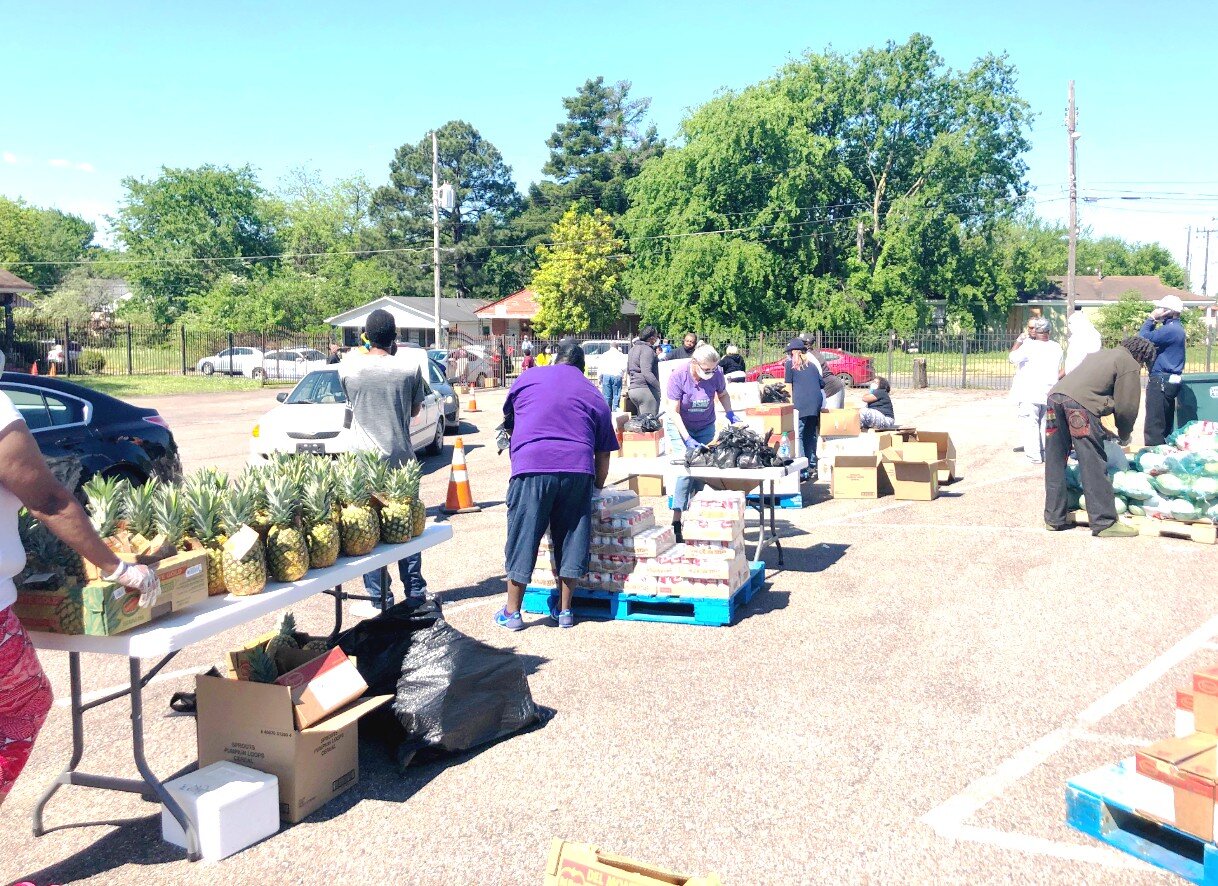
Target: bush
x=91, y=362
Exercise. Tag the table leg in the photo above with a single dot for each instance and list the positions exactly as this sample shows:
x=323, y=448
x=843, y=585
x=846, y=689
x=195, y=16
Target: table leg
x=773, y=523
x=385, y=588
x=78, y=744
x=141, y=764
x=337, y=594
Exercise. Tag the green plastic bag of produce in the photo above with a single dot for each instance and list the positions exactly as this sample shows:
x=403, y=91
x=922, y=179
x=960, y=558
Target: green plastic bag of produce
x=1151, y=461
x=1136, y=485
x=1186, y=464
x=1121, y=506
x=1212, y=513
x=1183, y=509
x=1137, y=510
x=1203, y=488
x=1073, y=480
x=1169, y=485
x=1073, y=499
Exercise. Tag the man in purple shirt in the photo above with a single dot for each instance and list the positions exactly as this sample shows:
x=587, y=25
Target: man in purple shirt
x=562, y=436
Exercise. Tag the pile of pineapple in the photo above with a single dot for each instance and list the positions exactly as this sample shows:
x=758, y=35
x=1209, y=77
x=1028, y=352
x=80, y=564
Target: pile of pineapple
x=266, y=664
x=306, y=511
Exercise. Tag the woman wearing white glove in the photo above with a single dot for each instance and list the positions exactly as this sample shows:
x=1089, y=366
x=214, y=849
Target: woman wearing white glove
x=25, y=693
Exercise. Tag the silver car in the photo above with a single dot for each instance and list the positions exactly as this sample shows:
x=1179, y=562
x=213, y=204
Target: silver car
x=230, y=361
x=290, y=363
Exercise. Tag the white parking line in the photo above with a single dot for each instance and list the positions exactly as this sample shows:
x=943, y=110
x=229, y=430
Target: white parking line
x=948, y=819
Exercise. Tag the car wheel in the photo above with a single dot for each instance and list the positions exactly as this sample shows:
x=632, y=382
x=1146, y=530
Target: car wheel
x=207, y=369
x=437, y=444
x=765, y=376
x=846, y=378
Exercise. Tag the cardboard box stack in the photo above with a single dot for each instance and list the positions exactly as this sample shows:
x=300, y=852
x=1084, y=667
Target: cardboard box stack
x=631, y=554
x=1177, y=778
x=909, y=464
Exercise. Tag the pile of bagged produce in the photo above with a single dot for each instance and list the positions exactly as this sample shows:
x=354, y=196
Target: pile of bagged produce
x=1176, y=481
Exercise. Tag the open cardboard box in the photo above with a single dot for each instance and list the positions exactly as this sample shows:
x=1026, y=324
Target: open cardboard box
x=945, y=451
x=579, y=863
x=254, y=724
x=1184, y=770
x=858, y=476
x=914, y=480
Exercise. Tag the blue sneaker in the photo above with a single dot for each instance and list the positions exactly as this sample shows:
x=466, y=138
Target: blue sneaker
x=510, y=620
x=565, y=619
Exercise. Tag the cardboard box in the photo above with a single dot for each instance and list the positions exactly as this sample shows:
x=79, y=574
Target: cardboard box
x=46, y=603
x=744, y=394
x=639, y=444
x=858, y=476
x=914, y=480
x=1186, y=722
x=1205, y=700
x=578, y=863
x=945, y=451
x=254, y=724
x=183, y=579
x=776, y=418
x=646, y=487
x=1188, y=766
x=110, y=608
x=840, y=423
x=321, y=684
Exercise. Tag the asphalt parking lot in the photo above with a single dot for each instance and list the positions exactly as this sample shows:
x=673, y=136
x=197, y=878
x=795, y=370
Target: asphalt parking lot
x=902, y=703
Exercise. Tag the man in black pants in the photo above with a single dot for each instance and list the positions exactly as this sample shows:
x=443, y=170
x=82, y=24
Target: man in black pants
x=1164, y=330
x=1105, y=382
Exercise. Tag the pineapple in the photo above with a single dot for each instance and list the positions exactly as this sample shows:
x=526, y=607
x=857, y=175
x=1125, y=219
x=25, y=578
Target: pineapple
x=323, y=533
x=254, y=479
x=418, y=513
x=139, y=508
x=360, y=525
x=318, y=646
x=285, y=639
x=262, y=667
x=287, y=553
x=203, y=505
x=248, y=575
x=396, y=515
x=169, y=511
x=105, y=497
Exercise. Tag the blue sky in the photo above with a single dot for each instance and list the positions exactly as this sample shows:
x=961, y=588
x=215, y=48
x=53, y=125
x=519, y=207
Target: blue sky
x=95, y=92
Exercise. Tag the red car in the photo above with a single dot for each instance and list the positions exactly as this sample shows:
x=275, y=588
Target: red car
x=850, y=368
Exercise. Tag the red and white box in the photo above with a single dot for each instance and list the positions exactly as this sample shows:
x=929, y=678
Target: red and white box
x=616, y=561
x=717, y=504
x=323, y=685
x=1186, y=721
x=625, y=524
x=713, y=568
x=728, y=550
x=606, y=502
x=713, y=529
x=653, y=542
x=640, y=583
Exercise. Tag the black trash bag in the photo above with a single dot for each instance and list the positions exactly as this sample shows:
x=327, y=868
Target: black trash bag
x=644, y=424
x=775, y=394
x=701, y=457
x=451, y=692
x=750, y=460
x=725, y=456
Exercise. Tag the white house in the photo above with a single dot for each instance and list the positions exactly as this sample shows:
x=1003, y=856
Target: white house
x=415, y=318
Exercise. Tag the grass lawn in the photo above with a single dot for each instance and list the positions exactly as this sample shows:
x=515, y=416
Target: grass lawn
x=126, y=386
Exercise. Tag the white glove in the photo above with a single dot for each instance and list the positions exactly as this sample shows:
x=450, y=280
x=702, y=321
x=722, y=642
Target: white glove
x=138, y=578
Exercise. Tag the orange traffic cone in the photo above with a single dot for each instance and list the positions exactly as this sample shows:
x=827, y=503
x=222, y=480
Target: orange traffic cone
x=34, y=368
x=472, y=405
x=53, y=373
x=460, y=496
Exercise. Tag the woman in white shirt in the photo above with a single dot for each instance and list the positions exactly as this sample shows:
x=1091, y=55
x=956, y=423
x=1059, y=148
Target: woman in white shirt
x=25, y=692
x=1038, y=362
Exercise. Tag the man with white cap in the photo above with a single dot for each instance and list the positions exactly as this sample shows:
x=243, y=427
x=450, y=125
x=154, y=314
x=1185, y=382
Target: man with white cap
x=1164, y=330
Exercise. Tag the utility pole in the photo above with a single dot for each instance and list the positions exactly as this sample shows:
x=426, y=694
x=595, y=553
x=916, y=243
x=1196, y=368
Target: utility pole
x=1205, y=270
x=1188, y=257
x=1072, y=253
x=435, y=231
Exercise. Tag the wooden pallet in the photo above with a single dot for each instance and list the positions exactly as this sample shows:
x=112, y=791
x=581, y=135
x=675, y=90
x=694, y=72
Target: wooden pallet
x=620, y=606
x=1102, y=805
x=1204, y=533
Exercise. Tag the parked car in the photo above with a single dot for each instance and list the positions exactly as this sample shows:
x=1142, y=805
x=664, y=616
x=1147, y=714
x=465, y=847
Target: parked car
x=852, y=369
x=594, y=348
x=231, y=361
x=438, y=378
x=467, y=365
x=290, y=363
x=82, y=432
x=314, y=417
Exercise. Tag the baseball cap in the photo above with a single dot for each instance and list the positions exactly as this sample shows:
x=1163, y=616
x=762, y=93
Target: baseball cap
x=1171, y=303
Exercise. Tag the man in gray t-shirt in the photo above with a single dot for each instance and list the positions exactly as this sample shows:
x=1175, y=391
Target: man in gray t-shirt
x=384, y=395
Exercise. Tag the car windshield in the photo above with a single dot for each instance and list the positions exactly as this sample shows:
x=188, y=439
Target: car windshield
x=318, y=387
x=310, y=354
x=437, y=375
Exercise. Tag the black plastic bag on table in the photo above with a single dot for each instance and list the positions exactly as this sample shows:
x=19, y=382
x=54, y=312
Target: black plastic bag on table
x=724, y=456
x=775, y=394
x=451, y=692
x=644, y=424
x=701, y=457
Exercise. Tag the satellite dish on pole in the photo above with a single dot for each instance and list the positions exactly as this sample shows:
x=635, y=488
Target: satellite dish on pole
x=446, y=197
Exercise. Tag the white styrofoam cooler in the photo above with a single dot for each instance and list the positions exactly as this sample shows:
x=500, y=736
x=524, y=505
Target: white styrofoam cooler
x=232, y=807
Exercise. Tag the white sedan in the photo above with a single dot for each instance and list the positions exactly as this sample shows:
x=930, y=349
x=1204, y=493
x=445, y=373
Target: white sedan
x=290, y=363
x=315, y=418
x=230, y=361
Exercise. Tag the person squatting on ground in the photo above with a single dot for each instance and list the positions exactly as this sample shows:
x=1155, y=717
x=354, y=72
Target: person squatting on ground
x=384, y=395
x=690, y=408
x=1164, y=330
x=1037, y=360
x=25, y=692
x=1106, y=382
x=803, y=374
x=643, y=372
x=878, y=414
x=610, y=368
x=562, y=437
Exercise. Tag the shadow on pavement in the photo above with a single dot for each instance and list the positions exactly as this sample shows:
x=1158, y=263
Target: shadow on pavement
x=488, y=587
x=136, y=841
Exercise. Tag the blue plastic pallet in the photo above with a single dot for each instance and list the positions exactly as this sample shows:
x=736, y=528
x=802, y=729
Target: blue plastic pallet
x=790, y=500
x=1098, y=804
x=618, y=605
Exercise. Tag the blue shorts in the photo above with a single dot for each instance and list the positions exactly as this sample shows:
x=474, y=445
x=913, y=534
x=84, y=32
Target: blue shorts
x=560, y=503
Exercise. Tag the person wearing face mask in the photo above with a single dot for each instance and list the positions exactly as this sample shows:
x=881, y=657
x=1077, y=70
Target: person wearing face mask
x=1037, y=360
x=25, y=479
x=878, y=413
x=690, y=406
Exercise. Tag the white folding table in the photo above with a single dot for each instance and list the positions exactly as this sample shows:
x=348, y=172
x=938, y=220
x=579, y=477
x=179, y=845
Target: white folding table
x=167, y=637
x=742, y=479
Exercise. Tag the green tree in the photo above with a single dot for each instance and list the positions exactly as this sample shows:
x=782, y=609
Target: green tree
x=79, y=295
x=844, y=191
x=1125, y=317
x=578, y=275
x=188, y=228
x=31, y=237
x=486, y=198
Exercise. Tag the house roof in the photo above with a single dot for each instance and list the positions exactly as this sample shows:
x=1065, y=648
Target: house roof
x=1106, y=289
x=11, y=283
x=411, y=312
x=522, y=305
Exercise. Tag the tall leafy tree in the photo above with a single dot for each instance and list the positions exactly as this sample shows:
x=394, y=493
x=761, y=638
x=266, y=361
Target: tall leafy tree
x=187, y=228
x=578, y=275
x=41, y=246
x=845, y=191
x=486, y=198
